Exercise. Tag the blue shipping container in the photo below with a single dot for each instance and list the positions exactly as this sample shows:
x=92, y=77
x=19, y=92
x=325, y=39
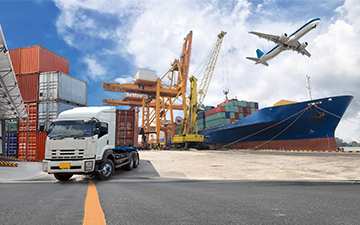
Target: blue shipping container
x=245, y=110
x=227, y=115
x=11, y=141
x=200, y=115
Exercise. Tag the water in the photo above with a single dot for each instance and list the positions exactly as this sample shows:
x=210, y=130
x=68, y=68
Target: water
x=346, y=149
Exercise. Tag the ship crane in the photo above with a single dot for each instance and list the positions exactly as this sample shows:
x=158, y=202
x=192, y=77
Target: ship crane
x=197, y=96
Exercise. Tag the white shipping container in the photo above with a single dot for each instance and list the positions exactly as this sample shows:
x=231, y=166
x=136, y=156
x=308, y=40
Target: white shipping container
x=49, y=110
x=144, y=76
x=54, y=86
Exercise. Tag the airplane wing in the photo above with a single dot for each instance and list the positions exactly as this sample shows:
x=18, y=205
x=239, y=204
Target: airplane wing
x=298, y=47
x=269, y=37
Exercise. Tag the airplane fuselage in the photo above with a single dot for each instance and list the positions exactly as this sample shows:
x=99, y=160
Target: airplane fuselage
x=285, y=42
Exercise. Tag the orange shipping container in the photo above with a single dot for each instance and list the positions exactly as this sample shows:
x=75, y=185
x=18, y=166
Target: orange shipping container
x=27, y=146
x=29, y=86
x=31, y=123
x=37, y=59
x=31, y=146
x=15, y=59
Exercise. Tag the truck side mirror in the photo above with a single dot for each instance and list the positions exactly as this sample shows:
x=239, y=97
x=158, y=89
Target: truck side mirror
x=96, y=131
x=98, y=125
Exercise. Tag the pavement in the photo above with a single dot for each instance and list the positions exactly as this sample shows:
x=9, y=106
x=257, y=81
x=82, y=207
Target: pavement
x=225, y=165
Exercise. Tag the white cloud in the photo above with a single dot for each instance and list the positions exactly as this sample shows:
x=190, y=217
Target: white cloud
x=96, y=70
x=149, y=34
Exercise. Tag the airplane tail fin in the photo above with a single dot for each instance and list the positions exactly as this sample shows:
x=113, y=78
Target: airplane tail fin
x=259, y=53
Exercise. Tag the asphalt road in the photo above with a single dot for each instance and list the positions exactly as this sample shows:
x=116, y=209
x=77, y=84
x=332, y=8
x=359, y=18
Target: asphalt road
x=196, y=188
x=181, y=201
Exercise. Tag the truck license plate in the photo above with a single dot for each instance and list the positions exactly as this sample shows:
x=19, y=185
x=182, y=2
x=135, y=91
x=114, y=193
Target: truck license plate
x=64, y=166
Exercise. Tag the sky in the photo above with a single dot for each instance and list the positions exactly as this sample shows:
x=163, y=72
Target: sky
x=109, y=40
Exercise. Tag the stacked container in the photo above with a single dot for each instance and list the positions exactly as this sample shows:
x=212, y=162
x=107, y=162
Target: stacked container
x=45, y=95
x=225, y=113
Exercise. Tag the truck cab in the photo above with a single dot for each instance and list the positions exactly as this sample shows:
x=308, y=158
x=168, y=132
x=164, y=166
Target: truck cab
x=82, y=141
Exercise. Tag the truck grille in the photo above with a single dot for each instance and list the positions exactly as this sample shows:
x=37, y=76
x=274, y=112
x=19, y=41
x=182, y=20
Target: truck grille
x=67, y=153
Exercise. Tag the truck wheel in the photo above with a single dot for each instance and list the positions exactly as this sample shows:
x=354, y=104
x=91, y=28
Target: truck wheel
x=130, y=165
x=62, y=177
x=107, y=169
x=136, y=160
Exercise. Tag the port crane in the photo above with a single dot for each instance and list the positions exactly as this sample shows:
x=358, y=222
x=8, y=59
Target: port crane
x=160, y=98
x=189, y=137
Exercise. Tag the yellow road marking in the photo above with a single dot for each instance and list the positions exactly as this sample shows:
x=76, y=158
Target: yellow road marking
x=93, y=212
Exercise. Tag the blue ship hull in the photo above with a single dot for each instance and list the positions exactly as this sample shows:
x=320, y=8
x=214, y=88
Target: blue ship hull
x=308, y=125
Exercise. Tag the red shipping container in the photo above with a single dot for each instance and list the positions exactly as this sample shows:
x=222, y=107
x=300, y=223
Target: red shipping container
x=215, y=110
x=27, y=146
x=248, y=110
x=40, y=146
x=31, y=146
x=125, y=128
x=236, y=115
x=29, y=86
x=29, y=124
x=37, y=59
x=232, y=121
x=241, y=109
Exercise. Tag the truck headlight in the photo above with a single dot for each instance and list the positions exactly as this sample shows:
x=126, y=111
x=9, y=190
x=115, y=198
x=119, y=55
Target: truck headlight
x=44, y=166
x=88, y=165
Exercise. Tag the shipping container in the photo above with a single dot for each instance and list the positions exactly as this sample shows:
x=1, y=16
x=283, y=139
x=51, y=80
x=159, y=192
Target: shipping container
x=56, y=86
x=15, y=59
x=11, y=125
x=245, y=110
x=242, y=103
x=37, y=59
x=29, y=124
x=145, y=77
x=40, y=146
x=48, y=112
x=126, y=131
x=215, y=110
x=31, y=145
x=11, y=141
x=219, y=115
x=200, y=115
x=28, y=85
x=232, y=121
x=27, y=146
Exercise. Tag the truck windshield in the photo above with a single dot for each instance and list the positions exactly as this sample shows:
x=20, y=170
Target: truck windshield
x=75, y=128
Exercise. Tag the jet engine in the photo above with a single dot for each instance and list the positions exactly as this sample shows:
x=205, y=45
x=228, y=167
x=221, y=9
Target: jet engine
x=303, y=45
x=283, y=38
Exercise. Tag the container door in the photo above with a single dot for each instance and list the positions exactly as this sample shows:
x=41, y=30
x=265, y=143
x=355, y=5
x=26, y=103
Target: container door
x=11, y=140
x=125, y=125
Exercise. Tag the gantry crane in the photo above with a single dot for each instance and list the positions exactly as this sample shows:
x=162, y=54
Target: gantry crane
x=189, y=137
x=158, y=99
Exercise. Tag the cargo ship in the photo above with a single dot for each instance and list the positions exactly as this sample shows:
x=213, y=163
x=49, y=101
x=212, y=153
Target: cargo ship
x=308, y=125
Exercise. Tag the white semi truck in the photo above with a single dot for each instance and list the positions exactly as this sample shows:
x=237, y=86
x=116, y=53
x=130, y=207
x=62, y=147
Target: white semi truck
x=91, y=140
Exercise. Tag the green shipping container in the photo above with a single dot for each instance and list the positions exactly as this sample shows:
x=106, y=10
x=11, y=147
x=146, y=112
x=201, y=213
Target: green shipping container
x=242, y=103
x=232, y=115
x=11, y=125
x=252, y=104
x=252, y=110
x=215, y=116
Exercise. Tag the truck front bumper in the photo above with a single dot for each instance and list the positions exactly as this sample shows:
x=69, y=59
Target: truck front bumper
x=73, y=166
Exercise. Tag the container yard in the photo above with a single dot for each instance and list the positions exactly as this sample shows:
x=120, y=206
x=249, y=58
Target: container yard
x=47, y=89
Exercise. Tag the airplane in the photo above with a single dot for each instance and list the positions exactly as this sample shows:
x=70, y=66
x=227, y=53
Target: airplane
x=284, y=42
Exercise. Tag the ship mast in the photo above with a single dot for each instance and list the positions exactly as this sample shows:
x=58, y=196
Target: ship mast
x=308, y=86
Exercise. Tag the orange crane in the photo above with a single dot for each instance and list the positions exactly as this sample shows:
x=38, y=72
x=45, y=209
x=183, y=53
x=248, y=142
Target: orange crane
x=158, y=98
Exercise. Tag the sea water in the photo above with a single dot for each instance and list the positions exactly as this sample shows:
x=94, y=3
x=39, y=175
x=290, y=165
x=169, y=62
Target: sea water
x=346, y=149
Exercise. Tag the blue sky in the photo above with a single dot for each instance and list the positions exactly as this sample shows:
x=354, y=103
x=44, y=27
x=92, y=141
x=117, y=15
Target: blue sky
x=110, y=39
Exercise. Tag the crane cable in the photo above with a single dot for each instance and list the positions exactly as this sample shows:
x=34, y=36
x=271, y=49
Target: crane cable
x=301, y=111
